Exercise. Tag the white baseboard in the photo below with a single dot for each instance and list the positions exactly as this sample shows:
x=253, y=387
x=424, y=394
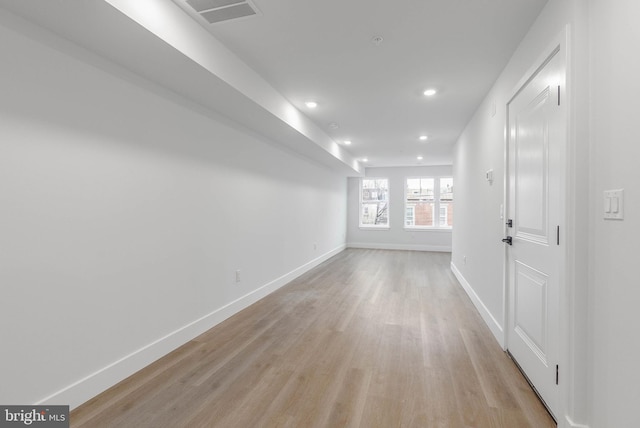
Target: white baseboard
x=97, y=382
x=572, y=424
x=495, y=327
x=407, y=247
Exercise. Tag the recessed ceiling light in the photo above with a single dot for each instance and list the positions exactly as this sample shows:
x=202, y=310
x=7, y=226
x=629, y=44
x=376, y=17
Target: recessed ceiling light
x=365, y=160
x=311, y=104
x=419, y=158
x=423, y=138
x=347, y=142
x=430, y=92
x=377, y=40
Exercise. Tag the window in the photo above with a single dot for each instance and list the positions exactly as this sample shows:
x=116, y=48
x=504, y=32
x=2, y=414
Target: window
x=446, y=202
x=428, y=202
x=420, y=201
x=410, y=216
x=374, y=202
x=443, y=216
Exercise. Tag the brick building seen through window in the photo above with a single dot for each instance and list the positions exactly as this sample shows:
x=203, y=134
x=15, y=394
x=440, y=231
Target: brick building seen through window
x=429, y=202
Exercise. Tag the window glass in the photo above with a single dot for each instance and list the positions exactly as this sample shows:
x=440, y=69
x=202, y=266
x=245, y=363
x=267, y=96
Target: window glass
x=429, y=202
x=446, y=202
x=374, y=202
x=420, y=200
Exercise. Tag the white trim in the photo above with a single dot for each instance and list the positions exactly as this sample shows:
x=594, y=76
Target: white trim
x=97, y=382
x=428, y=229
x=572, y=424
x=493, y=324
x=573, y=344
x=406, y=247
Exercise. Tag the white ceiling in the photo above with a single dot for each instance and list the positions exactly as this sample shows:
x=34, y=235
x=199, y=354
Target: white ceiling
x=320, y=50
x=323, y=51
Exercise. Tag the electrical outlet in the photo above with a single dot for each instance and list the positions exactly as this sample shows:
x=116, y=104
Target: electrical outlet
x=464, y=260
x=315, y=245
x=238, y=275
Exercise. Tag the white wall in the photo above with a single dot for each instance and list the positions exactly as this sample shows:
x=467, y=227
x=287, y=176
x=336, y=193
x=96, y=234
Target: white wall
x=481, y=146
x=125, y=214
x=397, y=237
x=601, y=296
x=479, y=227
x=615, y=291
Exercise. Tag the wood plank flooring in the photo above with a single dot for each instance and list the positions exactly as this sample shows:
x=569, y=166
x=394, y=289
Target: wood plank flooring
x=370, y=338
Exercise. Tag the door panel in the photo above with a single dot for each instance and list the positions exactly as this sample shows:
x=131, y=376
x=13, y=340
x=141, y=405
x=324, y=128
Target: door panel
x=536, y=144
x=530, y=313
x=531, y=170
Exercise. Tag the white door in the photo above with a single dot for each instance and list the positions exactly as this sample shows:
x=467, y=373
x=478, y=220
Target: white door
x=536, y=146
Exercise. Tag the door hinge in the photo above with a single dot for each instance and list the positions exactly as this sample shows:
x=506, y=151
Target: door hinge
x=558, y=94
x=558, y=235
x=557, y=374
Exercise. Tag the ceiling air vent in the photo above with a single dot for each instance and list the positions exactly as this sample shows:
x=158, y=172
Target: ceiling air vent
x=222, y=10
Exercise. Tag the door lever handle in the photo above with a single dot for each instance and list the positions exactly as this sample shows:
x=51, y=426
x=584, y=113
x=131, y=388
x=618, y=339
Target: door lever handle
x=508, y=240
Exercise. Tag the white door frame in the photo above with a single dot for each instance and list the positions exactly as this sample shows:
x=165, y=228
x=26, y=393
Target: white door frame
x=567, y=237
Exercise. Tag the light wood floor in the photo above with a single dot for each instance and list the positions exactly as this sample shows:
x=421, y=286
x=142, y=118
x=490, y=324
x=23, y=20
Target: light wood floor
x=370, y=338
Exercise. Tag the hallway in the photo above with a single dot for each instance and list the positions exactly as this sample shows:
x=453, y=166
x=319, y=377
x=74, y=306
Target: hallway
x=370, y=338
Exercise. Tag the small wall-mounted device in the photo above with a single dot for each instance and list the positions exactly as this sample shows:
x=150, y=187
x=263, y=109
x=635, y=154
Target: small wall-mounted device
x=489, y=176
x=614, y=204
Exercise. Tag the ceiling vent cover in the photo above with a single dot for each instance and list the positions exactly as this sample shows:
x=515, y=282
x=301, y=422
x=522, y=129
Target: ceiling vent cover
x=214, y=11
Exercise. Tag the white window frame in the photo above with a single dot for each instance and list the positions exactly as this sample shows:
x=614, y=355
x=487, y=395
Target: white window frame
x=361, y=208
x=436, y=205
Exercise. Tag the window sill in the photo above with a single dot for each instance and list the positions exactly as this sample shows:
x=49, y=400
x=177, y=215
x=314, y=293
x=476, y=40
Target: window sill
x=363, y=227
x=428, y=229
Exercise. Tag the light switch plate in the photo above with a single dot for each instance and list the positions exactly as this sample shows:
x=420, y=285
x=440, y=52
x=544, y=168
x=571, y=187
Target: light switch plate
x=614, y=204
